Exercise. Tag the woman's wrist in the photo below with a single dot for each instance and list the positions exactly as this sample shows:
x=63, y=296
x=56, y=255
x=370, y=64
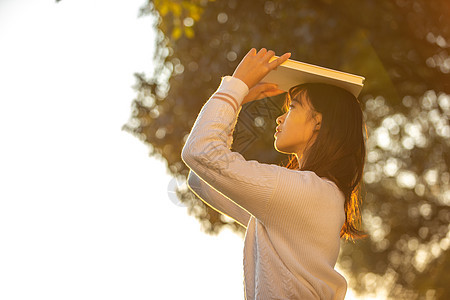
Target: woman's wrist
x=234, y=87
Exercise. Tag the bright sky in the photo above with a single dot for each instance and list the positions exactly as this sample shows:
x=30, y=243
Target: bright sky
x=84, y=210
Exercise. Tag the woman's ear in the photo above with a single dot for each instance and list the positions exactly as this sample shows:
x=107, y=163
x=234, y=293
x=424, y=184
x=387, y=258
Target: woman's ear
x=318, y=119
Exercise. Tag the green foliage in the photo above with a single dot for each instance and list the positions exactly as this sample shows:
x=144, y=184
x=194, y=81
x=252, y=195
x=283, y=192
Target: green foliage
x=401, y=47
x=178, y=17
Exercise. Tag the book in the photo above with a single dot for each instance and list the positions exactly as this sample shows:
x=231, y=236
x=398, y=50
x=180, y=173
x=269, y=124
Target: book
x=292, y=72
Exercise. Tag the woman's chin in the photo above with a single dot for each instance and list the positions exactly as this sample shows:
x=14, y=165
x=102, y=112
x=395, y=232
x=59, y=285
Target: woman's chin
x=279, y=147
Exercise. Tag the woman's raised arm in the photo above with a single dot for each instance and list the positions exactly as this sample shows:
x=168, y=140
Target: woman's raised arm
x=216, y=200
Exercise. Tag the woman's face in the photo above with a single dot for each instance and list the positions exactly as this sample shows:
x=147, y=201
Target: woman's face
x=297, y=127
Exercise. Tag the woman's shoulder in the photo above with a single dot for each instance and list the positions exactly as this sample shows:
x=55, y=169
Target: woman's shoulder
x=306, y=199
x=305, y=175
x=305, y=179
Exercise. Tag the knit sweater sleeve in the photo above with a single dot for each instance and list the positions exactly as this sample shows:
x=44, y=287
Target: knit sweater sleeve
x=216, y=200
x=248, y=183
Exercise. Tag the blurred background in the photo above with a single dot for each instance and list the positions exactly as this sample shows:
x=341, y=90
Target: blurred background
x=98, y=97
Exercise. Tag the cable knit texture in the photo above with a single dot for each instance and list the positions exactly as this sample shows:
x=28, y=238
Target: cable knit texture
x=292, y=218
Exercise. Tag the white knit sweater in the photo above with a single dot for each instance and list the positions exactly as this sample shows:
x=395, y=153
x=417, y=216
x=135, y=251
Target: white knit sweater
x=292, y=218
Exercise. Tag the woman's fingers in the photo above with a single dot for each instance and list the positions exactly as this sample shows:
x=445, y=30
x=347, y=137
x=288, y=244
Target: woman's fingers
x=269, y=89
x=252, y=52
x=279, y=60
x=262, y=90
x=268, y=55
x=262, y=52
x=269, y=92
x=255, y=65
x=273, y=92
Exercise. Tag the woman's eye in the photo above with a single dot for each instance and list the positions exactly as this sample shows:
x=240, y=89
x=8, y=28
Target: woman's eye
x=291, y=106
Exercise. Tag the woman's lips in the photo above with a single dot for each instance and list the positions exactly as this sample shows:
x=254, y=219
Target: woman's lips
x=278, y=130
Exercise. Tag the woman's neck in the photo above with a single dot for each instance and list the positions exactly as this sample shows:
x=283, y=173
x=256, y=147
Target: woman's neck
x=300, y=159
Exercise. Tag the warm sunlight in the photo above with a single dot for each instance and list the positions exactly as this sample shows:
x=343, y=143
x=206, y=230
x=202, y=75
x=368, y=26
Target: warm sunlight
x=86, y=213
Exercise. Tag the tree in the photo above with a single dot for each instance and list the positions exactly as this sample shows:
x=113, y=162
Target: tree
x=401, y=47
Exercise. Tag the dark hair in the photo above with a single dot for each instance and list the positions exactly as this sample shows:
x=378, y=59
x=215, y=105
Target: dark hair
x=338, y=152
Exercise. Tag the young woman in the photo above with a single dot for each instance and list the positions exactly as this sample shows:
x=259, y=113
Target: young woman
x=294, y=216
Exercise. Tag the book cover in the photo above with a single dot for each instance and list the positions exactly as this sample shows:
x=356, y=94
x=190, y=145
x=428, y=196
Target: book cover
x=292, y=72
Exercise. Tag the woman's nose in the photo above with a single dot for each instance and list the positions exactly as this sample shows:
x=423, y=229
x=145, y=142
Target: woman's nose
x=279, y=119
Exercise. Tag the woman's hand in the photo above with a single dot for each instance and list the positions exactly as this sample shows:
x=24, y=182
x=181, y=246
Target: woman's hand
x=254, y=66
x=262, y=90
